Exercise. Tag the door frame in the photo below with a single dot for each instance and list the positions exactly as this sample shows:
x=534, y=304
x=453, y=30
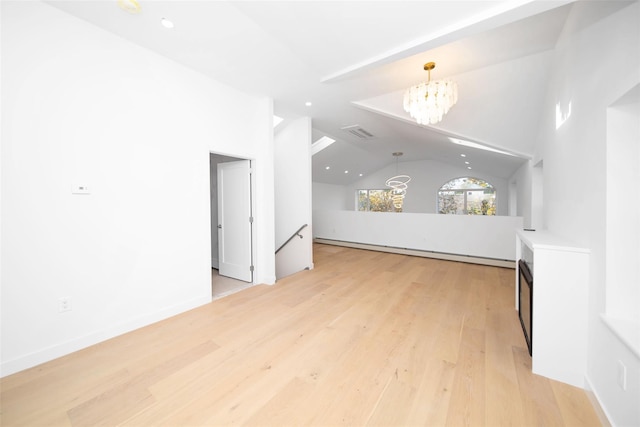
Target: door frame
x=252, y=195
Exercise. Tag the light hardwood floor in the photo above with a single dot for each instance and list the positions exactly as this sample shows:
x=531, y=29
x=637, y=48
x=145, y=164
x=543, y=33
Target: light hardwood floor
x=365, y=338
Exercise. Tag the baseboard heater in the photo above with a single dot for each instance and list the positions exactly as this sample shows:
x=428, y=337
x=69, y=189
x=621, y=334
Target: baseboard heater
x=421, y=253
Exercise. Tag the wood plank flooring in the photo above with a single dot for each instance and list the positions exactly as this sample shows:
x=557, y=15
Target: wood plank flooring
x=366, y=338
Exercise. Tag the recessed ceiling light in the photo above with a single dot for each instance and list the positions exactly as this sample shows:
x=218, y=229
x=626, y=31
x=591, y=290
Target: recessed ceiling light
x=360, y=175
x=468, y=167
x=308, y=104
x=463, y=155
x=328, y=167
x=166, y=23
x=346, y=171
x=466, y=163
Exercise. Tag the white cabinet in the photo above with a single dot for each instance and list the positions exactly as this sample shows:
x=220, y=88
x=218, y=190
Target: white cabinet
x=559, y=305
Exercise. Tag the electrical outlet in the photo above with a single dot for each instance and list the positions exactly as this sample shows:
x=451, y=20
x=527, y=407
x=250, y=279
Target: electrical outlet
x=622, y=375
x=64, y=304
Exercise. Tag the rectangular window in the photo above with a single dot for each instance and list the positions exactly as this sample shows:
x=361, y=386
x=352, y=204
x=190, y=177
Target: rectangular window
x=362, y=200
x=374, y=200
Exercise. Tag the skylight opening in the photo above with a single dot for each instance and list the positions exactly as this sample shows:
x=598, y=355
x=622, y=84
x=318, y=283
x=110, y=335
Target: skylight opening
x=321, y=144
x=478, y=146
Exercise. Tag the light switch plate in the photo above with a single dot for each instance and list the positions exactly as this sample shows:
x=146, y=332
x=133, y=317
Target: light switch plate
x=80, y=189
x=622, y=375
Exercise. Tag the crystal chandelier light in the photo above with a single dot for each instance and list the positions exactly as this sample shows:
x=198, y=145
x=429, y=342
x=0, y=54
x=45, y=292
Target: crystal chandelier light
x=398, y=185
x=131, y=6
x=429, y=101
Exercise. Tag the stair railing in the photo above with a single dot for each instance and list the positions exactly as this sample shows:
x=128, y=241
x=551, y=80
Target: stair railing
x=297, y=233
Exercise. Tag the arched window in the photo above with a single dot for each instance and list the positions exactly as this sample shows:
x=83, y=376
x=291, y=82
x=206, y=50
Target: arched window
x=467, y=196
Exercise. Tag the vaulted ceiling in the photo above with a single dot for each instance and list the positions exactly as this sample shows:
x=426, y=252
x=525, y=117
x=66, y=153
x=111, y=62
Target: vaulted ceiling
x=353, y=60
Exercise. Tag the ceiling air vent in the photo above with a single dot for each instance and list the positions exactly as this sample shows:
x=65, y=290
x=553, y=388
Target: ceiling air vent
x=356, y=130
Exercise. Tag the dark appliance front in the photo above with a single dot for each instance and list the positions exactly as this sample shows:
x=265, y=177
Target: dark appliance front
x=525, y=298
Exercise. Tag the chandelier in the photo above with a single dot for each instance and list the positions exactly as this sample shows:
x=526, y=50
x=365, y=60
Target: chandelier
x=429, y=101
x=131, y=6
x=398, y=185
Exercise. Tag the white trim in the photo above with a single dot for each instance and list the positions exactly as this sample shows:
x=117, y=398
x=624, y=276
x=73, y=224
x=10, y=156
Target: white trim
x=55, y=351
x=596, y=402
x=269, y=280
x=626, y=331
x=421, y=253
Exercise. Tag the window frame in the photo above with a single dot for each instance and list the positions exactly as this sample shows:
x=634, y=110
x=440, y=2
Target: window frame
x=368, y=207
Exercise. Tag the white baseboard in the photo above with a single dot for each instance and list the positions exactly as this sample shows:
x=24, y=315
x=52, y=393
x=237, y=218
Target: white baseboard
x=601, y=410
x=270, y=280
x=62, y=349
x=425, y=254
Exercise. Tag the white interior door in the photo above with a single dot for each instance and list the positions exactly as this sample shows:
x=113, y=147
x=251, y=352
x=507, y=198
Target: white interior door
x=234, y=220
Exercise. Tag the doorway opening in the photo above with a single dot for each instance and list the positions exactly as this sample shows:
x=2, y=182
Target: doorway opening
x=231, y=224
x=222, y=286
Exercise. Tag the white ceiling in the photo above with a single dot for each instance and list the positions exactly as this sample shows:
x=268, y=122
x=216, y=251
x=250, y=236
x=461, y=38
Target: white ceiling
x=353, y=59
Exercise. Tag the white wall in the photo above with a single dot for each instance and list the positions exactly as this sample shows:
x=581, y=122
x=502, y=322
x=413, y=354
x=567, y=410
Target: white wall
x=426, y=179
x=522, y=182
x=596, y=62
x=538, y=219
x=471, y=235
x=623, y=210
x=293, y=196
x=330, y=196
x=86, y=107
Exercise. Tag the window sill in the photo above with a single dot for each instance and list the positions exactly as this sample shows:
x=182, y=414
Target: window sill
x=626, y=330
